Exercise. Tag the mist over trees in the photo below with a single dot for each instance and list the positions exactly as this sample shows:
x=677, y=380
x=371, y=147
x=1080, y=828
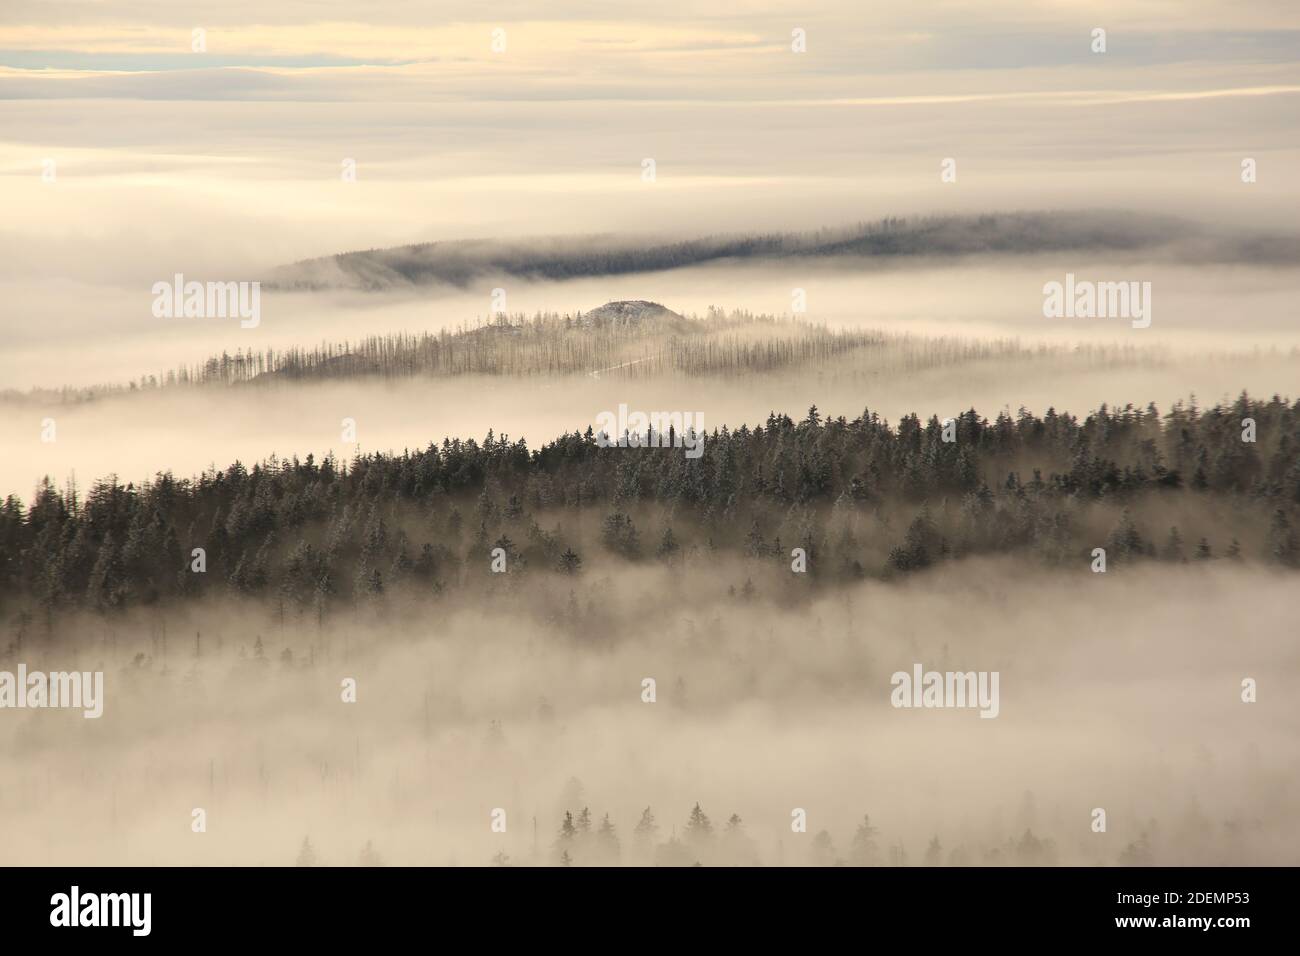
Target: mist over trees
x=487, y=689
x=629, y=340
x=1010, y=233
x=983, y=549
x=861, y=498
x=580, y=841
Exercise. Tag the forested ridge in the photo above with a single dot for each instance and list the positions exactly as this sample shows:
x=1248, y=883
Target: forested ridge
x=654, y=342
x=862, y=497
x=889, y=239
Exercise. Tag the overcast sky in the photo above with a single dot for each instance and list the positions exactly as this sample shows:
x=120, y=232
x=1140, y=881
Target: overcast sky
x=451, y=138
x=224, y=163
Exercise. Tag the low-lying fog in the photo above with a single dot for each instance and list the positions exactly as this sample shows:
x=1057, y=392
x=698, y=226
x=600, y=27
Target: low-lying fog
x=187, y=430
x=1120, y=691
x=70, y=333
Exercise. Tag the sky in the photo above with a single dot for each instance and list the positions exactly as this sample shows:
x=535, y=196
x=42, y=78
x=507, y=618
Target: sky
x=160, y=150
x=128, y=156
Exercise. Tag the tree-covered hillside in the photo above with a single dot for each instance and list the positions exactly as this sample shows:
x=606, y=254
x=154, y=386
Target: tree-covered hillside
x=861, y=497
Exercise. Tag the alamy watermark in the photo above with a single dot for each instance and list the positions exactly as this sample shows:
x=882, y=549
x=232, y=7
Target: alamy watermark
x=651, y=430
x=208, y=300
x=70, y=689
x=923, y=688
x=103, y=909
x=1084, y=299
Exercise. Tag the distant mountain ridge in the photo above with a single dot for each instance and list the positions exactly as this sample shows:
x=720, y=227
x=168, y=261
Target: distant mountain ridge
x=462, y=263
